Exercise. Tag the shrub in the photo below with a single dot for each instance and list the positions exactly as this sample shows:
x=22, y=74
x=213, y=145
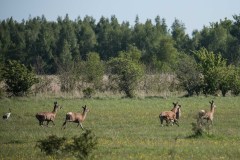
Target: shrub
x=127, y=70
x=200, y=129
x=209, y=64
x=18, y=78
x=226, y=78
x=93, y=69
x=80, y=147
x=188, y=75
x=197, y=130
x=88, y=92
x=68, y=75
x=52, y=145
x=128, y=74
x=235, y=84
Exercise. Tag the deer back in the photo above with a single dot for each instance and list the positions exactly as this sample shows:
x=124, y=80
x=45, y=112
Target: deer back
x=168, y=114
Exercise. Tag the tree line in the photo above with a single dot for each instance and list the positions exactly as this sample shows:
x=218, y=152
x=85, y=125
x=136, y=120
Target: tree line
x=46, y=44
x=84, y=45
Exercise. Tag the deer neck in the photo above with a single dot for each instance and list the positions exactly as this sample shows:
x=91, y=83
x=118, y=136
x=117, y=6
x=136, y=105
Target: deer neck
x=212, y=109
x=174, y=110
x=84, y=115
x=54, y=110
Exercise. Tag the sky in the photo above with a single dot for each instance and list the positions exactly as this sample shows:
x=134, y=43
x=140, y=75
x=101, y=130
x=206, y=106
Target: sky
x=194, y=14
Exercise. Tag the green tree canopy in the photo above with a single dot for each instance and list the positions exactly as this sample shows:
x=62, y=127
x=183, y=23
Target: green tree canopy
x=18, y=78
x=128, y=71
x=209, y=64
x=94, y=69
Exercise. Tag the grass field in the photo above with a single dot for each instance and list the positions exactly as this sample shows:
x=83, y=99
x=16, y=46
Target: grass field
x=126, y=128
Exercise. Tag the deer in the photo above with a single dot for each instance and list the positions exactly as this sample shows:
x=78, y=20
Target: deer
x=203, y=114
x=48, y=116
x=76, y=117
x=171, y=116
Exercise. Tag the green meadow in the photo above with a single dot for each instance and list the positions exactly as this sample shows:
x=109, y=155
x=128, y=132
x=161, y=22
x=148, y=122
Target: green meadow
x=125, y=128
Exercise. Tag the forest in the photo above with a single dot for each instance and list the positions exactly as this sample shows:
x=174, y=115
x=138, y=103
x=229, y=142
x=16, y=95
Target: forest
x=50, y=47
x=85, y=56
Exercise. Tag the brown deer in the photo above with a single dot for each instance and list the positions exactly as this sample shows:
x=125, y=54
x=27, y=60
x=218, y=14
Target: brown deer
x=171, y=116
x=48, y=116
x=76, y=117
x=203, y=114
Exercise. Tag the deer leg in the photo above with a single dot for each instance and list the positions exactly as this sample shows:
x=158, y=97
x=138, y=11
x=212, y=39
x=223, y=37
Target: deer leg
x=176, y=122
x=161, y=120
x=48, y=122
x=41, y=123
x=64, y=125
x=211, y=122
x=81, y=126
x=167, y=122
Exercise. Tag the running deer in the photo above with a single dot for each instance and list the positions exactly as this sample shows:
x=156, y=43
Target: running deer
x=48, y=116
x=203, y=114
x=76, y=117
x=171, y=116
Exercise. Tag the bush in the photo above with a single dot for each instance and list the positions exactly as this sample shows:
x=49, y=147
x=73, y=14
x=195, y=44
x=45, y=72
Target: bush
x=209, y=65
x=128, y=73
x=197, y=130
x=93, y=69
x=226, y=79
x=52, y=145
x=200, y=129
x=88, y=92
x=80, y=147
x=235, y=84
x=127, y=70
x=68, y=75
x=188, y=75
x=18, y=78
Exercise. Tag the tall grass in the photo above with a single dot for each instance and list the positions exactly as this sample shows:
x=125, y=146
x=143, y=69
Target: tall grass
x=126, y=128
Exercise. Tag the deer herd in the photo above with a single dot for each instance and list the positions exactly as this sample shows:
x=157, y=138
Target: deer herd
x=174, y=115
x=70, y=116
x=171, y=116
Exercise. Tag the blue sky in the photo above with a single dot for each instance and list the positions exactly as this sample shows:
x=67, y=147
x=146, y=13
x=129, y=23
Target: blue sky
x=193, y=13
